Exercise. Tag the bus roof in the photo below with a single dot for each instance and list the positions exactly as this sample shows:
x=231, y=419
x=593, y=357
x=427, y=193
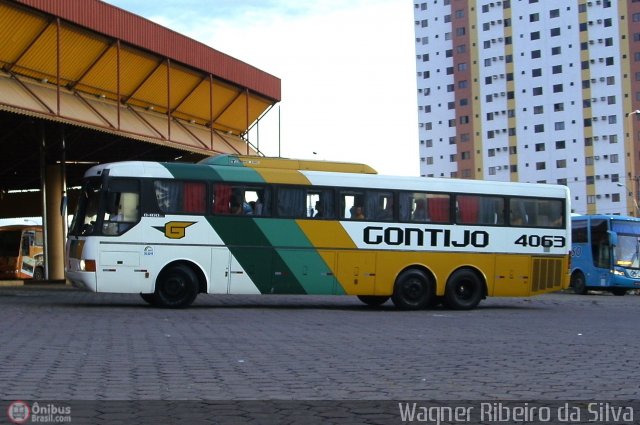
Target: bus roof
x=20, y=227
x=316, y=175
x=605, y=217
x=287, y=164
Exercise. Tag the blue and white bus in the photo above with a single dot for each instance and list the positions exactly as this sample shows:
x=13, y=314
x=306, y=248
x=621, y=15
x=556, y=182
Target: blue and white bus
x=604, y=253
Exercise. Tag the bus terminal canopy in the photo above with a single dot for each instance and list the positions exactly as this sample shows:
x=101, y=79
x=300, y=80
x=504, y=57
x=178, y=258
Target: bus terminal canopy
x=114, y=79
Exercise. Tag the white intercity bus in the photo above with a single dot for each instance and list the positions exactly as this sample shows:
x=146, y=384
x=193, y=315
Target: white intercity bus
x=253, y=225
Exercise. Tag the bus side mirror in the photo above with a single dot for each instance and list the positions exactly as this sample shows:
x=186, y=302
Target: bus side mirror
x=613, y=238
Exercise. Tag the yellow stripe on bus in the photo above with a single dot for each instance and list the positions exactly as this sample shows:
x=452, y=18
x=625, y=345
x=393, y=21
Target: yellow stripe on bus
x=282, y=176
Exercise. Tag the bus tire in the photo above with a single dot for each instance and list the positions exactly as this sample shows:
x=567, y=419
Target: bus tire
x=464, y=290
x=38, y=273
x=413, y=290
x=176, y=287
x=373, y=300
x=578, y=283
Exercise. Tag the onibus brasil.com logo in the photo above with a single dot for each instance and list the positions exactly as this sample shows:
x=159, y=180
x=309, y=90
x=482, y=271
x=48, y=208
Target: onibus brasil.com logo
x=20, y=412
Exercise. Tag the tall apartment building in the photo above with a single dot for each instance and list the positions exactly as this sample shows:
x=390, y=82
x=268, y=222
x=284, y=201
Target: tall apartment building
x=533, y=91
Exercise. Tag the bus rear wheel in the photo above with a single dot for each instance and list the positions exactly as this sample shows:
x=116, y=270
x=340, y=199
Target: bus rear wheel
x=413, y=290
x=464, y=290
x=176, y=287
x=578, y=283
x=373, y=300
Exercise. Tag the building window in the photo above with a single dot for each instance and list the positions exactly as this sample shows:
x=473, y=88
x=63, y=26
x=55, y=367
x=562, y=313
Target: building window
x=556, y=69
x=561, y=163
x=534, y=17
x=613, y=158
x=540, y=147
x=537, y=91
x=558, y=107
x=559, y=125
x=554, y=13
x=555, y=32
x=537, y=72
x=535, y=35
x=560, y=144
x=535, y=54
x=557, y=88
x=541, y=165
x=539, y=128
x=556, y=50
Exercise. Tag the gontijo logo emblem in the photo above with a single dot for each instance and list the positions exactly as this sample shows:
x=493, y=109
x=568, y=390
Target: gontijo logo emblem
x=175, y=229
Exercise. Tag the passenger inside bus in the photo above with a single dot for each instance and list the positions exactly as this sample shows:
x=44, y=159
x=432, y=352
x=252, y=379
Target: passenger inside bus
x=420, y=212
x=357, y=213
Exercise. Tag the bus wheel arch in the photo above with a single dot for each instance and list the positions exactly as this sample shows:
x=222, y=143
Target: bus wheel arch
x=178, y=284
x=414, y=289
x=465, y=288
x=579, y=282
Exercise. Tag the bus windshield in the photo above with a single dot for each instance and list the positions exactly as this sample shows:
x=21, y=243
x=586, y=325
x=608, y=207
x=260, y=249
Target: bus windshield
x=628, y=247
x=111, y=211
x=84, y=220
x=10, y=243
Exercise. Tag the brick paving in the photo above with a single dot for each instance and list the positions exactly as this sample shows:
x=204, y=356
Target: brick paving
x=62, y=344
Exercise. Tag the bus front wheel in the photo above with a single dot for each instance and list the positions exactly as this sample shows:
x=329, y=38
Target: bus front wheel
x=464, y=290
x=149, y=298
x=176, y=287
x=373, y=300
x=413, y=290
x=578, y=283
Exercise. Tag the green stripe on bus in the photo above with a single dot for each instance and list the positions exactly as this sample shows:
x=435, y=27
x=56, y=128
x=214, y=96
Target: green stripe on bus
x=256, y=254
x=189, y=172
x=213, y=173
x=308, y=267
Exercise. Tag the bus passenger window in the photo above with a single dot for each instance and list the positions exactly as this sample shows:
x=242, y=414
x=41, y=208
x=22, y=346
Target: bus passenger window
x=467, y=209
x=351, y=205
x=379, y=205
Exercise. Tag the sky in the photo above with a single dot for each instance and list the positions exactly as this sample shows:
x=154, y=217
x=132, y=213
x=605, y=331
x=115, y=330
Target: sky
x=347, y=69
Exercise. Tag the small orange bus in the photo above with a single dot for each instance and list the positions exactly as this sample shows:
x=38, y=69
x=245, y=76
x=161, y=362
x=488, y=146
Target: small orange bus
x=21, y=252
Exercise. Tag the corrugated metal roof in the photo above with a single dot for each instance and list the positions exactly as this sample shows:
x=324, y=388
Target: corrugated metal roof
x=132, y=29
x=56, y=51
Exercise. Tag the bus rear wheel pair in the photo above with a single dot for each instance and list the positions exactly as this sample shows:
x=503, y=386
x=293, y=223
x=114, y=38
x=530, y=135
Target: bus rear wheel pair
x=415, y=290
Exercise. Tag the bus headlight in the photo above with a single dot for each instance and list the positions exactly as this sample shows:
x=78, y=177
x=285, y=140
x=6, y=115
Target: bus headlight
x=88, y=265
x=618, y=272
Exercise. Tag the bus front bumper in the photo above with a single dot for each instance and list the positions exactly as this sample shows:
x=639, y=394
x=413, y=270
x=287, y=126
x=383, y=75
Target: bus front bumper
x=83, y=280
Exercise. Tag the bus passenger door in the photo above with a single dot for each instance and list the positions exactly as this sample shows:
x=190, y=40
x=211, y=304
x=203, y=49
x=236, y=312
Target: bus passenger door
x=512, y=276
x=357, y=272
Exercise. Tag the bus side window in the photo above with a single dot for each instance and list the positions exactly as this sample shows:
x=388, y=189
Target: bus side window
x=221, y=198
x=122, y=211
x=467, y=209
x=517, y=212
x=438, y=208
x=291, y=202
x=351, y=205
